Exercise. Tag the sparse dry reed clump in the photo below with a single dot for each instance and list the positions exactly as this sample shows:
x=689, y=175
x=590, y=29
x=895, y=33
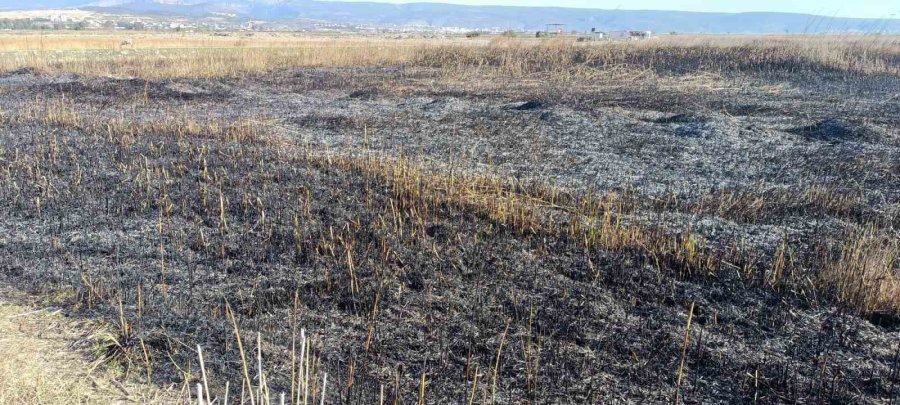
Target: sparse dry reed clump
x=864, y=273
x=61, y=112
x=759, y=205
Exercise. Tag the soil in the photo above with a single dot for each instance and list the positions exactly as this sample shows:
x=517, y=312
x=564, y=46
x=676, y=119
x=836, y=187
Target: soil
x=575, y=326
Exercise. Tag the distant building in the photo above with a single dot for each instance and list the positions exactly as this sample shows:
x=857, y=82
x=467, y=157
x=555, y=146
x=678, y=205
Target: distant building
x=630, y=35
x=555, y=29
x=593, y=36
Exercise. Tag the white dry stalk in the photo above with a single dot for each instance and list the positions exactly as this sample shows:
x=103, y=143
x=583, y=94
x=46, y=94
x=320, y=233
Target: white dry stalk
x=324, y=383
x=225, y=400
x=259, y=366
x=293, y=360
x=199, y=394
x=306, y=373
x=203, y=373
x=474, y=386
x=497, y=364
x=244, y=364
x=301, y=382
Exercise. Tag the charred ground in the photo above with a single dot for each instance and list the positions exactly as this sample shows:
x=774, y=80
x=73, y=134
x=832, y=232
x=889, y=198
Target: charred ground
x=548, y=234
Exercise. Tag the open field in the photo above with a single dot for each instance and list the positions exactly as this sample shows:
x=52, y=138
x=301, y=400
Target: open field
x=498, y=220
x=161, y=55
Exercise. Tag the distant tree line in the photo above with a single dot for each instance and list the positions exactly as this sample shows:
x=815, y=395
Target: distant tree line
x=29, y=24
x=44, y=24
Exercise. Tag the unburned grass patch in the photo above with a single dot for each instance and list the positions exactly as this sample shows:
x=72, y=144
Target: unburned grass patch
x=865, y=272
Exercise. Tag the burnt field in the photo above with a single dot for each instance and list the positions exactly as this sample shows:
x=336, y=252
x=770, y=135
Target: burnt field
x=705, y=225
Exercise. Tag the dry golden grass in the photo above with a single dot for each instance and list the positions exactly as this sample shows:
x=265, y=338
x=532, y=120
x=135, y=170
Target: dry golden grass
x=866, y=273
x=158, y=55
x=199, y=55
x=123, y=130
x=679, y=55
x=39, y=365
x=755, y=205
x=198, y=62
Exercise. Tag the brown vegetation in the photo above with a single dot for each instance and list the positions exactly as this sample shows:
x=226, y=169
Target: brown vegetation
x=160, y=55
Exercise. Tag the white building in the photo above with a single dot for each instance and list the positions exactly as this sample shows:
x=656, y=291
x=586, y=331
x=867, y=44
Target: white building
x=630, y=35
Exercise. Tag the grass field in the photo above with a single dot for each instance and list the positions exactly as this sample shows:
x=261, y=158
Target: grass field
x=492, y=220
x=204, y=55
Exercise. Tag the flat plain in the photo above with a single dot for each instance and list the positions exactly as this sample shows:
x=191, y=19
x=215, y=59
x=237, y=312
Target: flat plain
x=703, y=219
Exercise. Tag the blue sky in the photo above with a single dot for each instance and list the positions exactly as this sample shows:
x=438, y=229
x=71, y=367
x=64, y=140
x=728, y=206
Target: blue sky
x=837, y=8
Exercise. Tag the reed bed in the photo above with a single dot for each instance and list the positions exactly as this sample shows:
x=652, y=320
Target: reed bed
x=197, y=55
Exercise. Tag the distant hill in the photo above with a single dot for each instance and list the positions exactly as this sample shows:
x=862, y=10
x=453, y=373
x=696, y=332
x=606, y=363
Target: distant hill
x=483, y=17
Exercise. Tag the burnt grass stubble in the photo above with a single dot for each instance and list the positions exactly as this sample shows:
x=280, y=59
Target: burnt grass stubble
x=432, y=290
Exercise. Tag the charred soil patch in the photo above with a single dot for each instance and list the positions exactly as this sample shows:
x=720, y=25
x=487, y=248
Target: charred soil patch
x=463, y=231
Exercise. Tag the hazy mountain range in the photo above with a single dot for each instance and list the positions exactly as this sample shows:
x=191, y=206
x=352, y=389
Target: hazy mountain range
x=478, y=17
